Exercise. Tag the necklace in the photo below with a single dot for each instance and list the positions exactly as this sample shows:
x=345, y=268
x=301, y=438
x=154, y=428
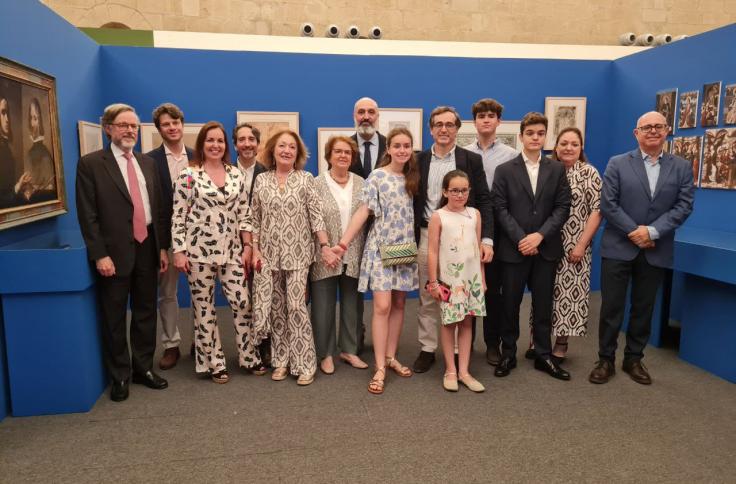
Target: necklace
x=463, y=212
x=340, y=182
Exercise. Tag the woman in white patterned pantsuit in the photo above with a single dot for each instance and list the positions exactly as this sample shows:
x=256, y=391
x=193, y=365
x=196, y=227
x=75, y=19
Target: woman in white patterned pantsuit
x=340, y=191
x=286, y=211
x=210, y=216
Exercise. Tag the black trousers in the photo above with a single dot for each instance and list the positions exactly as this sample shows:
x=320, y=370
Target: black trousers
x=645, y=281
x=493, y=321
x=539, y=275
x=113, y=292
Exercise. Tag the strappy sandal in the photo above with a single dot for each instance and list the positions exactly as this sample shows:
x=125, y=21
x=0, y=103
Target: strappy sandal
x=375, y=386
x=398, y=368
x=221, y=377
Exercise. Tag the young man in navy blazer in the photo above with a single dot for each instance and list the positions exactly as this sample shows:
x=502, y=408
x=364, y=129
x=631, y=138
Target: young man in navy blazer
x=531, y=200
x=647, y=194
x=171, y=157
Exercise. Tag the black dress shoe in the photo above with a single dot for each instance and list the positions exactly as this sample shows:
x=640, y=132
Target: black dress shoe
x=551, y=368
x=493, y=356
x=119, y=390
x=637, y=371
x=151, y=380
x=505, y=366
x=530, y=354
x=424, y=362
x=602, y=372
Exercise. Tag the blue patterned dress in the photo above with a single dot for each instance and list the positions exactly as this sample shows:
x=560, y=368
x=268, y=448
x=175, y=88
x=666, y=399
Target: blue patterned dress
x=394, y=224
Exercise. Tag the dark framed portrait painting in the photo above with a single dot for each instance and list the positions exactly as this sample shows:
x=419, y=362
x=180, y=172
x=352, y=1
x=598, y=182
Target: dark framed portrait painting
x=31, y=169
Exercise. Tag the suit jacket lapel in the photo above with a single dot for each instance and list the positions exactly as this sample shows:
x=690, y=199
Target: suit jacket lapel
x=665, y=167
x=542, y=176
x=523, y=176
x=461, y=161
x=637, y=164
x=111, y=165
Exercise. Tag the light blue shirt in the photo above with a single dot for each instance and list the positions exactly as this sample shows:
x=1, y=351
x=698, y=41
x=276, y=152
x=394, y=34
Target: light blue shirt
x=652, y=167
x=493, y=156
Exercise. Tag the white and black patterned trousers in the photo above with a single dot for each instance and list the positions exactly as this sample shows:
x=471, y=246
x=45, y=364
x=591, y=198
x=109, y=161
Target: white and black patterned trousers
x=208, y=347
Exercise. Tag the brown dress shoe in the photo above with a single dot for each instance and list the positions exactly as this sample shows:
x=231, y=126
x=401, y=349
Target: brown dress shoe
x=637, y=372
x=169, y=359
x=602, y=372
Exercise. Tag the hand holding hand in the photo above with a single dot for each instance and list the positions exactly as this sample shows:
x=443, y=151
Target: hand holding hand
x=246, y=259
x=338, y=251
x=640, y=236
x=329, y=258
x=105, y=267
x=576, y=254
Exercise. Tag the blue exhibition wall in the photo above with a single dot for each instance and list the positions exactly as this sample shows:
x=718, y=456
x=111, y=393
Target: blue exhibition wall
x=33, y=35
x=685, y=65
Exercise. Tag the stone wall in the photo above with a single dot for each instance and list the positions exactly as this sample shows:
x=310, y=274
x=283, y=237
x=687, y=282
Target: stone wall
x=519, y=21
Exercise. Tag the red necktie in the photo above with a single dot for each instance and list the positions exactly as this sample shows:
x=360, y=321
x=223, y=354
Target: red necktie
x=139, y=215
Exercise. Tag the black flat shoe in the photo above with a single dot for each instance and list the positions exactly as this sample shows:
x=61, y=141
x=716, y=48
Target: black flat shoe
x=530, y=354
x=119, y=390
x=505, y=366
x=552, y=369
x=424, y=362
x=151, y=380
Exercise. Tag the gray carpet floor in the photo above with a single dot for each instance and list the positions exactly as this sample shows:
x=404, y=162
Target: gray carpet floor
x=527, y=427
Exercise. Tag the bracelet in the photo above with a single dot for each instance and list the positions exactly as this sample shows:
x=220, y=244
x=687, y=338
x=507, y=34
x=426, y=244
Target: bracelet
x=342, y=246
x=247, y=244
x=322, y=245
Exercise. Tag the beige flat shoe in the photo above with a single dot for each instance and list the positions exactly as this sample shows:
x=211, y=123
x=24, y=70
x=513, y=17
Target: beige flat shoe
x=354, y=361
x=279, y=374
x=472, y=384
x=304, y=380
x=449, y=382
x=327, y=366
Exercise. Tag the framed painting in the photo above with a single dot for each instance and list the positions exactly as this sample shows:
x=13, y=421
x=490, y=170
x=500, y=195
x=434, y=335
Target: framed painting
x=410, y=118
x=90, y=137
x=31, y=168
x=711, y=106
x=268, y=122
x=729, y=104
x=508, y=133
x=323, y=135
x=563, y=112
x=151, y=138
x=466, y=134
x=719, y=159
x=665, y=104
x=688, y=110
x=689, y=148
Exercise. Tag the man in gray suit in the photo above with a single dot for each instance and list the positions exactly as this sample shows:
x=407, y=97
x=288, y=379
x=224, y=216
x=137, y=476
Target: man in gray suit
x=647, y=194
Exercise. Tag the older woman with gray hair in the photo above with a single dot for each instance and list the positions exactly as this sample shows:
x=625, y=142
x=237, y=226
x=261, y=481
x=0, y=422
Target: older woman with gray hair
x=340, y=192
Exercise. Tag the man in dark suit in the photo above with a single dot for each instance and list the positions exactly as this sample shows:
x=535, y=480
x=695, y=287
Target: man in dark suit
x=531, y=200
x=124, y=229
x=434, y=163
x=371, y=143
x=171, y=157
x=246, y=139
x=647, y=194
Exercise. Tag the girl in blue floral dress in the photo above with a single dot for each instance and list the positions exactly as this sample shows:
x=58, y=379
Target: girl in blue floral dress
x=454, y=252
x=387, y=194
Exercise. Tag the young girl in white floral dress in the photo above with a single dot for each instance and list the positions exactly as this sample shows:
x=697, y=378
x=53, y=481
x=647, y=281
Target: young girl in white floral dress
x=454, y=267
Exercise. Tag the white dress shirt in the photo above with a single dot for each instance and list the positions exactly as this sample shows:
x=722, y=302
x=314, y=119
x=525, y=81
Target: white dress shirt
x=532, y=168
x=344, y=198
x=248, y=172
x=123, y=165
x=176, y=161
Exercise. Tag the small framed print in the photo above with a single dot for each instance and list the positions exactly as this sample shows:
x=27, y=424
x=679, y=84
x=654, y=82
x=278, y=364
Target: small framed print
x=410, y=118
x=711, y=107
x=665, y=105
x=508, y=134
x=466, y=134
x=323, y=135
x=90, y=137
x=729, y=104
x=719, y=159
x=688, y=117
x=151, y=138
x=689, y=148
x=563, y=112
x=269, y=122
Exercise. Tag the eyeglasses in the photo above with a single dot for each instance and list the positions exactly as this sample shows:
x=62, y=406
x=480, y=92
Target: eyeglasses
x=447, y=126
x=656, y=127
x=337, y=151
x=125, y=126
x=456, y=192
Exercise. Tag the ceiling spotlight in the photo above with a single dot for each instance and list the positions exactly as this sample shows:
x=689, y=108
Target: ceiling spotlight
x=307, y=29
x=662, y=39
x=332, y=31
x=627, y=39
x=376, y=32
x=353, y=32
x=644, y=39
